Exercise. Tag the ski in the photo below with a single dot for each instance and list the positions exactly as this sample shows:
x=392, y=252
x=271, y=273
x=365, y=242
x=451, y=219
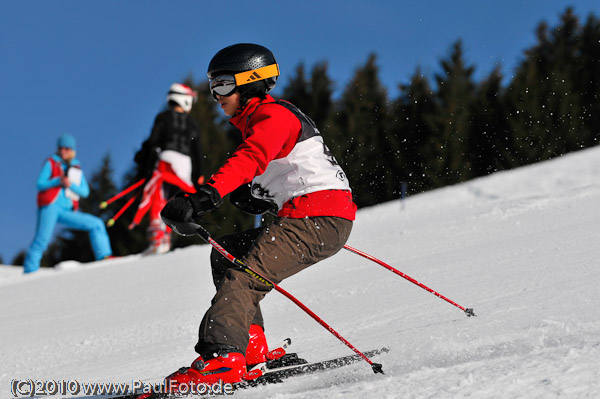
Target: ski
x=278, y=374
x=276, y=371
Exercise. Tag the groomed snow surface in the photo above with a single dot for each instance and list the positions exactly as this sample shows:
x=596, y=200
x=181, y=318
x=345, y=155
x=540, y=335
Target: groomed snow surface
x=521, y=247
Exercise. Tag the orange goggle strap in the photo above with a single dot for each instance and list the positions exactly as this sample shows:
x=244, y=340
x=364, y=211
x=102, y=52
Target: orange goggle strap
x=255, y=75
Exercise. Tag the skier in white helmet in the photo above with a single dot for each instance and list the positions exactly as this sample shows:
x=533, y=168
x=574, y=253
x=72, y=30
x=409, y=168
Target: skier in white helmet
x=170, y=160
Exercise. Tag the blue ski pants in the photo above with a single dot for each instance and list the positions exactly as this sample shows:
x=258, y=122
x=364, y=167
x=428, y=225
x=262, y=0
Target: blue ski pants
x=49, y=216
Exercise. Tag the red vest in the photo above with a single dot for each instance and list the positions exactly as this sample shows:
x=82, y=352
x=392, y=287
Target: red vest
x=46, y=197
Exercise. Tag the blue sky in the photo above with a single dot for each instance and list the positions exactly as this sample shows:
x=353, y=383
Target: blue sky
x=100, y=69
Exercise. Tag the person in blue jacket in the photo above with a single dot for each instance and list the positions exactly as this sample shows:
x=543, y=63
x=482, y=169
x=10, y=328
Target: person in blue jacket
x=60, y=185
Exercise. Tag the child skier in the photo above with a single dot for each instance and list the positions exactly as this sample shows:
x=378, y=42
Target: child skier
x=286, y=162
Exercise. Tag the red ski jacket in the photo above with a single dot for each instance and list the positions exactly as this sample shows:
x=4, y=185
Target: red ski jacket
x=283, y=154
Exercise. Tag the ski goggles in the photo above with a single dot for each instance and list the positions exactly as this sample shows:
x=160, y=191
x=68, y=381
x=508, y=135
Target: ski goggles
x=225, y=85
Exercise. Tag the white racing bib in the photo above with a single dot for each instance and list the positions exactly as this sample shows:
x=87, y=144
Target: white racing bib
x=308, y=168
x=74, y=174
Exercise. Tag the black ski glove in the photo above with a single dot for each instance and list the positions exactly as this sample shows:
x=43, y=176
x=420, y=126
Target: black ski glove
x=190, y=207
x=242, y=198
x=146, y=160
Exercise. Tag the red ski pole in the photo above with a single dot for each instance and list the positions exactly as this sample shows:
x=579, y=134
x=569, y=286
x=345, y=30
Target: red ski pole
x=469, y=311
x=193, y=228
x=112, y=220
x=129, y=189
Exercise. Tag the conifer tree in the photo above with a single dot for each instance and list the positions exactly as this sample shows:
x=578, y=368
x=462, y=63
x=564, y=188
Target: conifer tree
x=363, y=146
x=322, y=105
x=102, y=187
x=547, y=113
x=568, y=123
x=412, y=132
x=314, y=96
x=489, y=127
x=297, y=90
x=448, y=153
x=588, y=80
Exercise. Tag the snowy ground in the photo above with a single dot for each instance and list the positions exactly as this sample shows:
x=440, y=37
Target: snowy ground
x=520, y=247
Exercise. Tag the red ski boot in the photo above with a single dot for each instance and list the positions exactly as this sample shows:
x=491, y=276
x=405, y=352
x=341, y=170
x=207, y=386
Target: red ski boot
x=257, y=353
x=227, y=368
x=257, y=349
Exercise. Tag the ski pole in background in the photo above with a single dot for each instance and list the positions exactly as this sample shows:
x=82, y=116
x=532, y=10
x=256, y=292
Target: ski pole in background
x=112, y=220
x=193, y=228
x=126, y=191
x=468, y=311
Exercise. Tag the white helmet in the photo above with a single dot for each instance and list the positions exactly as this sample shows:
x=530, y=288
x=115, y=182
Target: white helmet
x=182, y=95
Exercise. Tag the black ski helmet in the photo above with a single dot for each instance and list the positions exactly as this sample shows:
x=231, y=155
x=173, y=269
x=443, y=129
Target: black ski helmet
x=253, y=66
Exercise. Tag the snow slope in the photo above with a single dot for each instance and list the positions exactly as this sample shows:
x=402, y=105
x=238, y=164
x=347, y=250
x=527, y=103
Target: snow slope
x=521, y=247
